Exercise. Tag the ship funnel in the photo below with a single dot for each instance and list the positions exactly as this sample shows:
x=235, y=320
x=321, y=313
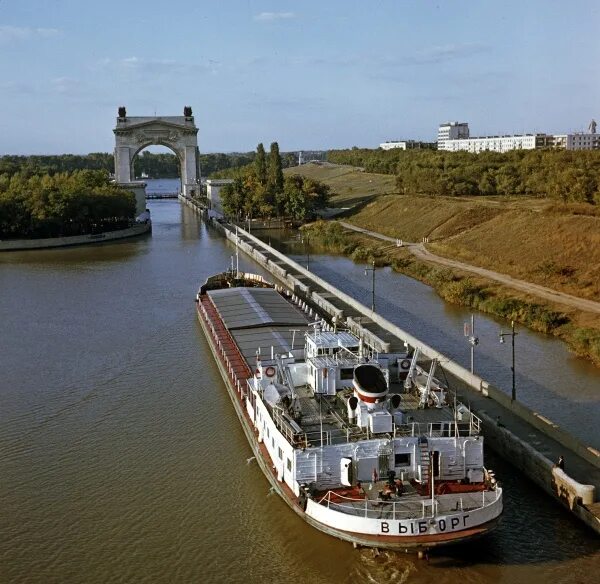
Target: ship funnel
x=370, y=384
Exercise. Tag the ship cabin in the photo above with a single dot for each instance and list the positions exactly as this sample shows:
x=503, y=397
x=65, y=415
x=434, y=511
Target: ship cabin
x=330, y=359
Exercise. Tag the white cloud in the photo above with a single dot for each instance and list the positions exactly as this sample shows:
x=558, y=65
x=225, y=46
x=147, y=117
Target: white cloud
x=23, y=33
x=271, y=16
x=140, y=67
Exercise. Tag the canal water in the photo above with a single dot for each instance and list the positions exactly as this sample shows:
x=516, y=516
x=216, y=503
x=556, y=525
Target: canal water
x=121, y=459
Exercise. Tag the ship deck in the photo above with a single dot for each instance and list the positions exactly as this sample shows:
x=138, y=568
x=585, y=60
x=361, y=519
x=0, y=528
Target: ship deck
x=262, y=321
x=367, y=501
x=324, y=419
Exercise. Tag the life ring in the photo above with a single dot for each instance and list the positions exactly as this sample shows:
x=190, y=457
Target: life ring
x=270, y=371
x=405, y=364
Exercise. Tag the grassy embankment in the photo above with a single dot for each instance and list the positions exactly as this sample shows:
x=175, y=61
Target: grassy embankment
x=349, y=186
x=553, y=245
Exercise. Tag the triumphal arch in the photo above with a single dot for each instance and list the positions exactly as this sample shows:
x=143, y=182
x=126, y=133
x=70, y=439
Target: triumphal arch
x=179, y=133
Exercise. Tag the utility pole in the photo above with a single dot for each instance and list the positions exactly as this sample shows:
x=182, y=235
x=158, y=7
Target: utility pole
x=511, y=334
x=372, y=270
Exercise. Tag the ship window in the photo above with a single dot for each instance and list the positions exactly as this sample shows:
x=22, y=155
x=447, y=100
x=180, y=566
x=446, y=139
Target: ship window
x=346, y=373
x=289, y=465
x=280, y=453
x=402, y=459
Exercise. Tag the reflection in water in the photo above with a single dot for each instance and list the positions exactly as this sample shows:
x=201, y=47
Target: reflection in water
x=122, y=459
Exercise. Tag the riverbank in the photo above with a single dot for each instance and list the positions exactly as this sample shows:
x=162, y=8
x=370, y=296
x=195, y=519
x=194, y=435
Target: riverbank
x=534, y=239
x=579, y=329
x=54, y=242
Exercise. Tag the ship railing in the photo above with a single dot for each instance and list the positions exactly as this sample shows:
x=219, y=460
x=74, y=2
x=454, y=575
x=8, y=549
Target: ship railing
x=230, y=370
x=475, y=425
x=438, y=429
x=417, y=508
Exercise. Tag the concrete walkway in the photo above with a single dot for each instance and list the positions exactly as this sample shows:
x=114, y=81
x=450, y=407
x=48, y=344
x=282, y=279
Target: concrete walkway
x=419, y=251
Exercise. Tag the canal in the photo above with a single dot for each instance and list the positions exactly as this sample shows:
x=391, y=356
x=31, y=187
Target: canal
x=122, y=459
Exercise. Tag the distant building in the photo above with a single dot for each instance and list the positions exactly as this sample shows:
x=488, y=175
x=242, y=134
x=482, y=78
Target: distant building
x=451, y=131
x=579, y=141
x=499, y=143
x=406, y=145
x=454, y=137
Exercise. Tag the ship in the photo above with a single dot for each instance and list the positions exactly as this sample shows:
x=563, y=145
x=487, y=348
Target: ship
x=371, y=448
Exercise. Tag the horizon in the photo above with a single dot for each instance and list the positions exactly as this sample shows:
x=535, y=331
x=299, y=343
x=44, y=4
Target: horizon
x=333, y=76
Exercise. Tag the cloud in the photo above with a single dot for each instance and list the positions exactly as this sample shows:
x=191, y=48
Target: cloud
x=145, y=68
x=17, y=88
x=23, y=33
x=65, y=85
x=439, y=54
x=272, y=16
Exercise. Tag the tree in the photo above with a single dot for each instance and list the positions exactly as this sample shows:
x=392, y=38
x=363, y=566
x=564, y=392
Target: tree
x=62, y=204
x=275, y=172
x=260, y=165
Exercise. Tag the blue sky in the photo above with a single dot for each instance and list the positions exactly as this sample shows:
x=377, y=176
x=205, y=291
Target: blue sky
x=311, y=74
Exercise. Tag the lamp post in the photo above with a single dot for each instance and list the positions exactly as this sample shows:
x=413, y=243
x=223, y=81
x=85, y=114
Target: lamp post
x=306, y=241
x=511, y=334
x=473, y=340
x=372, y=270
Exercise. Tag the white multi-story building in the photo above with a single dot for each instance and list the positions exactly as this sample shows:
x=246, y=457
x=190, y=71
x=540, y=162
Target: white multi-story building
x=499, y=143
x=451, y=131
x=454, y=137
x=578, y=141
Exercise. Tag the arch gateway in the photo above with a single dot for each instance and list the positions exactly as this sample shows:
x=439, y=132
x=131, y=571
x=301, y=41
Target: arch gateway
x=179, y=133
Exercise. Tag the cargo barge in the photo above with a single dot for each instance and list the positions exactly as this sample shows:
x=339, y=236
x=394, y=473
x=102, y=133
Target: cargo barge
x=370, y=448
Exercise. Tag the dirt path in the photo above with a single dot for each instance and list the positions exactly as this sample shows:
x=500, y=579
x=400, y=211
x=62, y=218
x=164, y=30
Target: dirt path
x=419, y=251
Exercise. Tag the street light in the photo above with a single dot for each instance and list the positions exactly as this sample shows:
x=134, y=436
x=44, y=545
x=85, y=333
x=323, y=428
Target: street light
x=511, y=334
x=306, y=242
x=372, y=270
x=473, y=340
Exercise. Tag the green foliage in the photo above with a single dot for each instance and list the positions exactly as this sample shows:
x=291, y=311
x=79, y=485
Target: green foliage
x=274, y=171
x=564, y=175
x=248, y=196
x=62, y=204
x=260, y=165
x=586, y=341
x=155, y=165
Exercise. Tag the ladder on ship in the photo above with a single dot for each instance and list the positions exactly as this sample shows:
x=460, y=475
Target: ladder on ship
x=424, y=461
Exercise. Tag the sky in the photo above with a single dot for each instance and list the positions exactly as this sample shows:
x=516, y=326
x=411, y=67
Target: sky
x=308, y=74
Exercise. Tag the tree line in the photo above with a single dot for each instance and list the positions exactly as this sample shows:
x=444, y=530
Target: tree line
x=261, y=190
x=154, y=165
x=62, y=204
x=566, y=175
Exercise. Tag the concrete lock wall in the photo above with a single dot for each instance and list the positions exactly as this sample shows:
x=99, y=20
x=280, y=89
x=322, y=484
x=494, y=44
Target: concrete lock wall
x=535, y=465
x=25, y=244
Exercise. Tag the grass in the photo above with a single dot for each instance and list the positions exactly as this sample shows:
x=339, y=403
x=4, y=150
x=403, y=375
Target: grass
x=548, y=244
x=349, y=185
